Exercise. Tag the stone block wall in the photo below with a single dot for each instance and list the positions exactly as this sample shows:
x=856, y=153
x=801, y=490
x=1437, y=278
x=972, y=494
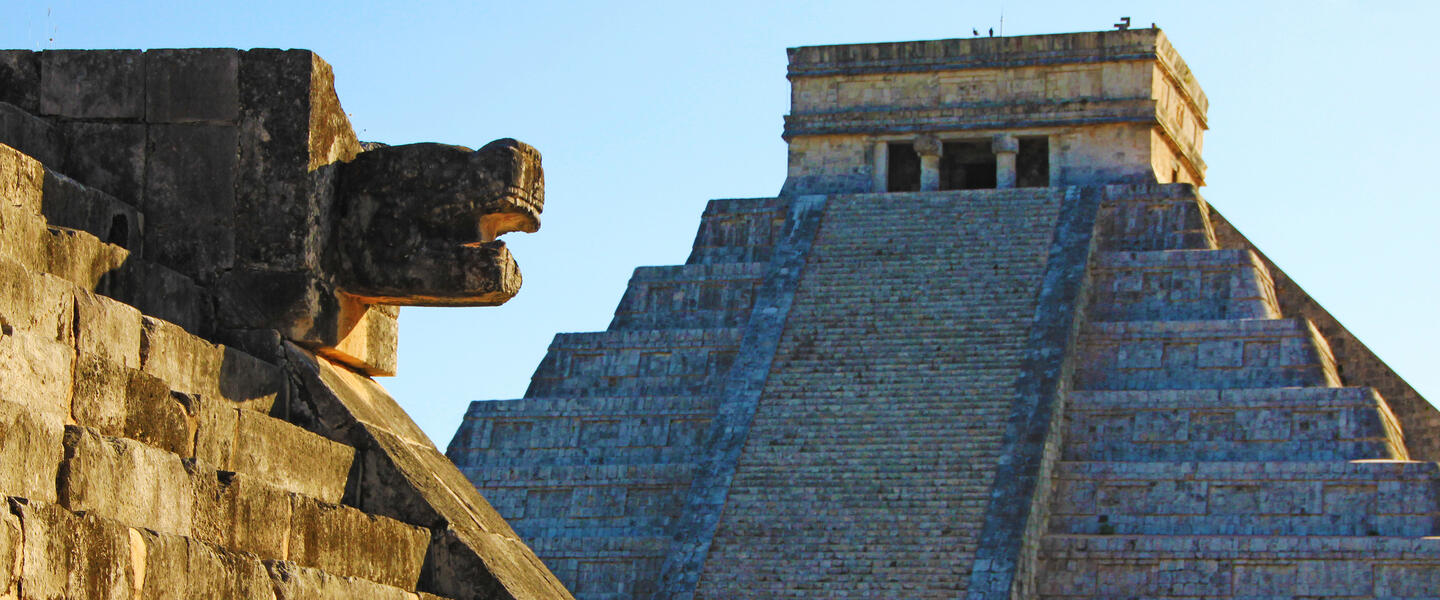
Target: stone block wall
x=1116, y=107
x=593, y=466
x=131, y=131
x=159, y=438
x=1209, y=449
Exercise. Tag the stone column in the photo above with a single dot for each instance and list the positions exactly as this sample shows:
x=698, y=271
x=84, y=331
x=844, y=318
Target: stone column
x=929, y=148
x=1005, y=147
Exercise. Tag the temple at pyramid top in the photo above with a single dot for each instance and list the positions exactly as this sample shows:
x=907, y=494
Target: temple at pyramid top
x=1030, y=111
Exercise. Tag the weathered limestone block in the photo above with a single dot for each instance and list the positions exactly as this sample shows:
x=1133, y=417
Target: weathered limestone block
x=36, y=303
x=22, y=180
x=68, y=203
x=107, y=156
x=32, y=451
x=20, y=79
x=294, y=582
x=126, y=481
x=103, y=84
x=107, y=329
x=192, y=365
x=75, y=556
x=290, y=457
x=344, y=541
x=192, y=85
x=30, y=134
x=187, y=363
x=240, y=512
x=179, y=568
x=403, y=476
x=308, y=310
x=291, y=125
x=38, y=372
x=122, y=402
x=419, y=222
x=11, y=549
x=368, y=336
x=301, y=305
x=345, y=400
x=24, y=239
x=157, y=417
x=191, y=220
x=163, y=293
x=215, y=423
x=81, y=258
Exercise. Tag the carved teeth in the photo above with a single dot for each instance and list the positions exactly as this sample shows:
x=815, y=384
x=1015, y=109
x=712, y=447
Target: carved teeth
x=515, y=213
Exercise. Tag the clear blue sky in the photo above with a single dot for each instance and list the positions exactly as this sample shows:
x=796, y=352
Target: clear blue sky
x=1321, y=144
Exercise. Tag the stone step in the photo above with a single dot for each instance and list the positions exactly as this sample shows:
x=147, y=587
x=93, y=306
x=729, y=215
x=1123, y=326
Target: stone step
x=88, y=554
x=539, y=476
x=605, y=568
x=1181, y=285
x=643, y=362
x=1250, y=567
x=700, y=296
x=584, y=499
x=526, y=454
x=595, y=429
x=30, y=135
x=41, y=190
x=1169, y=217
x=607, y=505
x=286, y=513
x=32, y=245
x=1385, y=498
x=72, y=555
x=269, y=450
x=1158, y=355
x=739, y=230
x=1292, y=424
x=594, y=406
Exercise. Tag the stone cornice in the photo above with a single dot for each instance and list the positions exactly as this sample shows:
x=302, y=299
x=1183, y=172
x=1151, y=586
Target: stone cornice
x=1003, y=52
x=974, y=53
x=974, y=116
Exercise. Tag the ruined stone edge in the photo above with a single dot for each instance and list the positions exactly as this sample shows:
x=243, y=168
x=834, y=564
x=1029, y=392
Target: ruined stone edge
x=1015, y=516
x=705, y=502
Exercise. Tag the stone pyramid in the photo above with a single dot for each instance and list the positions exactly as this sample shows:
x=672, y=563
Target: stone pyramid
x=988, y=343
x=189, y=314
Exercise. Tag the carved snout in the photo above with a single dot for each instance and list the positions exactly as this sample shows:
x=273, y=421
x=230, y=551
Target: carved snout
x=518, y=207
x=418, y=223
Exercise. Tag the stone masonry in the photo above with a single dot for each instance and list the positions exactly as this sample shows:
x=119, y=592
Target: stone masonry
x=988, y=343
x=189, y=318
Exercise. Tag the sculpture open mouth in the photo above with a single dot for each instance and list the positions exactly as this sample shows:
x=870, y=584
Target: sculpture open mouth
x=420, y=223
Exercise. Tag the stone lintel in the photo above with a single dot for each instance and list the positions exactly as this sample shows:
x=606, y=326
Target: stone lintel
x=1066, y=113
x=1000, y=52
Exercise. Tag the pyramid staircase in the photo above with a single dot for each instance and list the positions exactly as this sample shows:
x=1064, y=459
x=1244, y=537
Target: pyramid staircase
x=1210, y=449
x=594, y=463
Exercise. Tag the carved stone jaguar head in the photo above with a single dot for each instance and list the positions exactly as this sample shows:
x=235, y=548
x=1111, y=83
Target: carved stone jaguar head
x=418, y=224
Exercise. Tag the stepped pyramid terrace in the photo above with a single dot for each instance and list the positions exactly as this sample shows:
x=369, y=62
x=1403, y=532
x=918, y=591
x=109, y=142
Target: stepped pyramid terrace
x=988, y=342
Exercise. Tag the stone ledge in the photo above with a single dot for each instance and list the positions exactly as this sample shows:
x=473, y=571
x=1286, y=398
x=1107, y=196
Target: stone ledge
x=974, y=53
x=595, y=406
